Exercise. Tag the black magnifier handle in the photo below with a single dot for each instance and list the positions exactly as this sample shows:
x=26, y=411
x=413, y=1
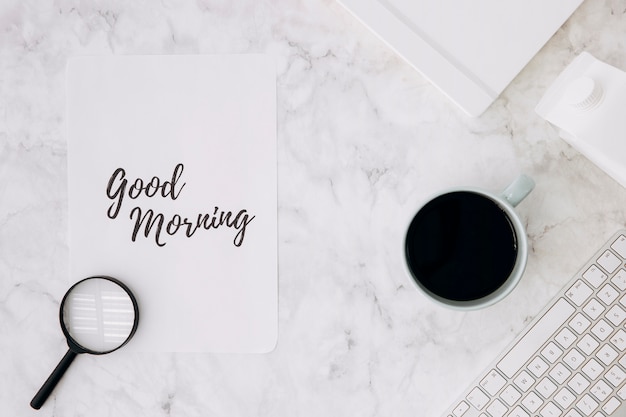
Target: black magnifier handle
x=47, y=387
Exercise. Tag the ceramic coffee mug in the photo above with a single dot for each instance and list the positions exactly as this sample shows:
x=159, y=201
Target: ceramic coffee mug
x=466, y=248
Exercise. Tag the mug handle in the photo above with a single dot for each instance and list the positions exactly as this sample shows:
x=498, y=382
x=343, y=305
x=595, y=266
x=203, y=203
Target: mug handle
x=518, y=190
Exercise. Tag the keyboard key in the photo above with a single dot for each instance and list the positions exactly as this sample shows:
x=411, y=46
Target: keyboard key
x=460, y=409
x=518, y=412
x=565, y=397
x=622, y=393
x=592, y=369
x=565, y=338
x=535, y=337
x=510, y=395
x=609, y=261
x=551, y=410
x=578, y=383
x=579, y=292
x=619, y=340
x=532, y=402
x=524, y=381
x=606, y=354
x=579, y=323
x=615, y=375
x=574, y=359
x=608, y=294
x=619, y=280
x=572, y=413
x=594, y=276
x=477, y=398
x=497, y=409
x=619, y=246
x=587, y=405
x=611, y=405
x=493, y=382
x=616, y=315
x=538, y=366
x=588, y=344
x=601, y=390
x=546, y=388
x=551, y=352
x=560, y=373
x=602, y=329
x=593, y=309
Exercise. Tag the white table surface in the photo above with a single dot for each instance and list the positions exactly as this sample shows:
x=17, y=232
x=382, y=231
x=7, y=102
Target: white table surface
x=362, y=138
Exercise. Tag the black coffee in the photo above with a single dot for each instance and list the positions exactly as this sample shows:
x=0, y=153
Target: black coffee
x=461, y=246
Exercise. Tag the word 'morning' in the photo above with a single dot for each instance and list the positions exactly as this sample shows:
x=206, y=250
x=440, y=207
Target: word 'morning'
x=150, y=220
x=147, y=221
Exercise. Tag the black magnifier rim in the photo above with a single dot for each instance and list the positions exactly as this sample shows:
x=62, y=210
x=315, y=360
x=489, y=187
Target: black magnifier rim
x=77, y=347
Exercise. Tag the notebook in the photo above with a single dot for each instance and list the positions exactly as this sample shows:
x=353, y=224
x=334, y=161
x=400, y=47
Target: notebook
x=470, y=50
x=173, y=190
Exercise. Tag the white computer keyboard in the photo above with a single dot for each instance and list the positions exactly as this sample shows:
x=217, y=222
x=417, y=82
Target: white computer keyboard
x=569, y=362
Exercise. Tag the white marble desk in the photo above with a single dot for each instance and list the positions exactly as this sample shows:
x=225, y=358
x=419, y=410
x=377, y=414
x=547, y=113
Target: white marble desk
x=362, y=138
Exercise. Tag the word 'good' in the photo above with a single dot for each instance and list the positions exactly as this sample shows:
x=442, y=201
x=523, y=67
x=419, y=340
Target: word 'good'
x=147, y=221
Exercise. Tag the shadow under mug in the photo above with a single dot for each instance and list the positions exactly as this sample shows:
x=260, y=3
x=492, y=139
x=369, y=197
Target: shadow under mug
x=466, y=248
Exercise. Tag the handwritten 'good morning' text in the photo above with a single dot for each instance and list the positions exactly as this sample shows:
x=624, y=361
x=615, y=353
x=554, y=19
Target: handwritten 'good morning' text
x=148, y=222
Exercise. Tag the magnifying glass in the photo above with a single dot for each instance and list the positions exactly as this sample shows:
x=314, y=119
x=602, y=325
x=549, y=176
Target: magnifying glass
x=98, y=315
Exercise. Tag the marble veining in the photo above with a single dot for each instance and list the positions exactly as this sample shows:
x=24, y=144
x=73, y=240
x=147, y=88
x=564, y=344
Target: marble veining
x=363, y=138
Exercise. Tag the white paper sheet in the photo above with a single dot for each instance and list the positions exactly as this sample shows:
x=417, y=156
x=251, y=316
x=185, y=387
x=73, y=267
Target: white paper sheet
x=200, y=133
x=470, y=50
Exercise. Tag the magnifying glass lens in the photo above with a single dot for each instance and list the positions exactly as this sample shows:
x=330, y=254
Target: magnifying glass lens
x=98, y=315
